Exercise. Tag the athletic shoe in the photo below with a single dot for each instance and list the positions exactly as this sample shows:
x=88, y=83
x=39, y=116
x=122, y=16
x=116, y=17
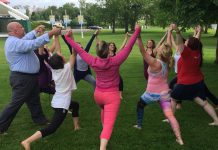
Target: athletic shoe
x=165, y=120
x=137, y=127
x=3, y=133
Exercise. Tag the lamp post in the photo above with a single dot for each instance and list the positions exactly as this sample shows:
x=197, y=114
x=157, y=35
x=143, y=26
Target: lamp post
x=81, y=21
x=66, y=19
x=52, y=19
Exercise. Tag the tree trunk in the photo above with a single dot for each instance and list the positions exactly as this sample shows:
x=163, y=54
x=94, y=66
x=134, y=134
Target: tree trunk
x=216, y=34
x=206, y=29
x=113, y=26
x=216, y=60
x=132, y=26
x=126, y=22
x=146, y=21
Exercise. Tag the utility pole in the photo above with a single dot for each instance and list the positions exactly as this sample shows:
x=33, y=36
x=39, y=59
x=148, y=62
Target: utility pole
x=81, y=21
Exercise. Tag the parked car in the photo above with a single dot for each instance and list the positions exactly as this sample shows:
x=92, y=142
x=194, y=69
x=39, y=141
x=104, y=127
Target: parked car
x=95, y=27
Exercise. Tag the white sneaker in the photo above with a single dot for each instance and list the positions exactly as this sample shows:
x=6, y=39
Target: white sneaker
x=165, y=120
x=213, y=124
x=137, y=127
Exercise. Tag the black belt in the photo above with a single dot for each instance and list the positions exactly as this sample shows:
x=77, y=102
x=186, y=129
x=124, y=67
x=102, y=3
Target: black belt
x=23, y=73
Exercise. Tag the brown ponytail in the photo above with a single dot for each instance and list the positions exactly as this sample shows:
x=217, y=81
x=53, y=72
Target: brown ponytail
x=102, y=49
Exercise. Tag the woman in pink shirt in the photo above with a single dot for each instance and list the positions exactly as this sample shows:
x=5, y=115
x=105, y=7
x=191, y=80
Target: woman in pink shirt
x=106, y=94
x=157, y=87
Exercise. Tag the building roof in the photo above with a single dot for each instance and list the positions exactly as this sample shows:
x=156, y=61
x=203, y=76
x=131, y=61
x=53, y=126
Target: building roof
x=7, y=11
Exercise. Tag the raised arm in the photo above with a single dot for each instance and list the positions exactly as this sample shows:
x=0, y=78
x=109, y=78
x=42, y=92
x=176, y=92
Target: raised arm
x=91, y=40
x=97, y=39
x=33, y=34
x=57, y=44
x=72, y=59
x=52, y=48
x=30, y=35
x=125, y=41
x=162, y=40
x=151, y=61
x=169, y=33
x=24, y=46
x=179, y=38
x=83, y=54
x=68, y=45
x=123, y=54
x=173, y=42
x=141, y=46
x=41, y=31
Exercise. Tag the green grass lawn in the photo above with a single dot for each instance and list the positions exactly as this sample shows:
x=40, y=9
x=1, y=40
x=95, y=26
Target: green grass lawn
x=155, y=135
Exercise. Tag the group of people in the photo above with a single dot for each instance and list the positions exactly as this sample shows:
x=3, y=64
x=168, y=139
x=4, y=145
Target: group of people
x=50, y=73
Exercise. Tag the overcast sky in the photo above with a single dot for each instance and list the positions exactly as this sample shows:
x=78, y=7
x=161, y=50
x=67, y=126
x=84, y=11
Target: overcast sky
x=45, y=3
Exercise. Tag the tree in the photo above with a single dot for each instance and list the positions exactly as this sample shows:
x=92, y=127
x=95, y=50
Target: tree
x=71, y=10
x=27, y=8
x=110, y=11
x=35, y=16
x=93, y=14
x=192, y=12
x=185, y=13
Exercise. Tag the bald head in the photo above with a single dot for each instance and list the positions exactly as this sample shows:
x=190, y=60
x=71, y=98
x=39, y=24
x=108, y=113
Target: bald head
x=11, y=26
x=15, y=29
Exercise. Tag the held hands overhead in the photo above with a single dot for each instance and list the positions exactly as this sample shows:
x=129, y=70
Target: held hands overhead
x=41, y=29
x=54, y=31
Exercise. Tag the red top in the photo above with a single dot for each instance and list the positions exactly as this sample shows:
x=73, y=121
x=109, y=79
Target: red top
x=189, y=71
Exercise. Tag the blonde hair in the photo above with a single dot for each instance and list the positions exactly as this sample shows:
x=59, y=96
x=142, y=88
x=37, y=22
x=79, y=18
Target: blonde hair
x=166, y=55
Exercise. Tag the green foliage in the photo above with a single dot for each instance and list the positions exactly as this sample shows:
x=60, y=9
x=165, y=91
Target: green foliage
x=93, y=15
x=35, y=16
x=34, y=24
x=187, y=13
x=215, y=2
x=71, y=10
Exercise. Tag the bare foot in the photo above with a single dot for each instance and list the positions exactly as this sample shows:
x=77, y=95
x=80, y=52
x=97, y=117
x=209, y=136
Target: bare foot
x=25, y=145
x=178, y=106
x=179, y=141
x=76, y=128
